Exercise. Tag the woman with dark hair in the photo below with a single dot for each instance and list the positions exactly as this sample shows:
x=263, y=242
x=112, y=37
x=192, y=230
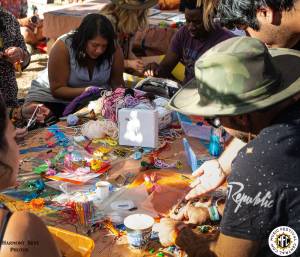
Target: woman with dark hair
x=18, y=226
x=84, y=58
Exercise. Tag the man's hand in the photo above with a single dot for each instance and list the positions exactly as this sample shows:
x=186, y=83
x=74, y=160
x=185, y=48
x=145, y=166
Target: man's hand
x=151, y=70
x=136, y=64
x=208, y=177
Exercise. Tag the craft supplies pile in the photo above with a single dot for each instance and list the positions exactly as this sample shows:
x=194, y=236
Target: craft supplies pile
x=104, y=161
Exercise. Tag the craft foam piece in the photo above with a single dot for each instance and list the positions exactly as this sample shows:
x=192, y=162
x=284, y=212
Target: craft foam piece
x=191, y=156
x=138, y=127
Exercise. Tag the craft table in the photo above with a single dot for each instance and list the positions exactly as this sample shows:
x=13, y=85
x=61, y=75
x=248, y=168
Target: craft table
x=103, y=241
x=61, y=21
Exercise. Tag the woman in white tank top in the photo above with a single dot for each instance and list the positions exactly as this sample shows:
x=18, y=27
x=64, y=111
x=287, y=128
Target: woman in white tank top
x=88, y=56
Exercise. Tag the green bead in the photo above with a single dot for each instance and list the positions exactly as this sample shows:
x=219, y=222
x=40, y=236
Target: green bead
x=204, y=229
x=160, y=254
x=144, y=164
x=41, y=169
x=152, y=250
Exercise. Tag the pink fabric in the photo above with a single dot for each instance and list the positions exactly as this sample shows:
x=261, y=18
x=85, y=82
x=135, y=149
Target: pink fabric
x=117, y=100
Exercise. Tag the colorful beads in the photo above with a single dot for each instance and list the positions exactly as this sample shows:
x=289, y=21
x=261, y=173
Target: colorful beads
x=137, y=155
x=152, y=250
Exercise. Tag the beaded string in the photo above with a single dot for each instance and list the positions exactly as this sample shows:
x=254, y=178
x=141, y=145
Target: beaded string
x=117, y=100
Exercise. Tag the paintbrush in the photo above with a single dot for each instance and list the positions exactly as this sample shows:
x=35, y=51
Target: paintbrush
x=32, y=118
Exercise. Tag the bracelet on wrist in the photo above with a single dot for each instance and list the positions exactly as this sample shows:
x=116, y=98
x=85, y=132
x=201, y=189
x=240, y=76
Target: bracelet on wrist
x=222, y=172
x=213, y=213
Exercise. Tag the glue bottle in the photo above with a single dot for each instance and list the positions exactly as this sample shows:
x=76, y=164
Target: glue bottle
x=215, y=144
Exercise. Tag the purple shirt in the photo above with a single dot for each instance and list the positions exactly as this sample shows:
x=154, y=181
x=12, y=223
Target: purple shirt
x=189, y=49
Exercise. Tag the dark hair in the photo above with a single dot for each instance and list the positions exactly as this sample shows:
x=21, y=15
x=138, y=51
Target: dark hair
x=235, y=13
x=93, y=25
x=188, y=4
x=3, y=124
x=207, y=7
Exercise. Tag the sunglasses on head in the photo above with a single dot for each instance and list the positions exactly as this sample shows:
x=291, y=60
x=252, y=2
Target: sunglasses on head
x=214, y=122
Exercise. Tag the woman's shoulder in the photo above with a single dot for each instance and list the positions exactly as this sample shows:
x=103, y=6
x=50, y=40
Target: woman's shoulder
x=23, y=227
x=67, y=37
x=23, y=220
x=61, y=46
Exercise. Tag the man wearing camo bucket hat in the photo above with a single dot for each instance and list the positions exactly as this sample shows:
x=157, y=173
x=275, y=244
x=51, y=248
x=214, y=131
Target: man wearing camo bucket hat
x=254, y=92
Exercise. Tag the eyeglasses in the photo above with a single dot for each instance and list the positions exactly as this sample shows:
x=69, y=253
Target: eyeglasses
x=214, y=122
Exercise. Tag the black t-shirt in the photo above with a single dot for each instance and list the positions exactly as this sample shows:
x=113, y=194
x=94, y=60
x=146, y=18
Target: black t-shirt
x=264, y=186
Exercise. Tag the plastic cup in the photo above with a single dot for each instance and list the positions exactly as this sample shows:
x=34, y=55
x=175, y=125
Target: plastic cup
x=139, y=228
x=102, y=189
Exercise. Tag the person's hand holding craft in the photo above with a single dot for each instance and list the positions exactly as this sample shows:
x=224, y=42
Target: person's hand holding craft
x=136, y=64
x=13, y=54
x=192, y=212
x=208, y=177
x=21, y=133
x=151, y=70
x=42, y=113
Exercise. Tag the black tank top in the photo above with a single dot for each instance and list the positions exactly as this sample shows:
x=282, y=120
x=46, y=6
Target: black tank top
x=4, y=221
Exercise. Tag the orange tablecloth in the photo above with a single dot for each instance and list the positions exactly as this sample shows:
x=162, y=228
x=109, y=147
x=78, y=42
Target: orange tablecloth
x=154, y=40
x=59, y=22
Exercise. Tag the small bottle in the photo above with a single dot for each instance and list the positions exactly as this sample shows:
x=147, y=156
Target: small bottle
x=215, y=144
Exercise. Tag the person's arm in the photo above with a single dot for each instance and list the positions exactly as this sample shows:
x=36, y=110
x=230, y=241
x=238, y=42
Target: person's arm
x=164, y=69
x=58, y=72
x=168, y=64
x=35, y=240
x=229, y=154
x=18, y=53
x=171, y=59
x=173, y=55
x=117, y=69
x=211, y=174
x=196, y=245
x=133, y=62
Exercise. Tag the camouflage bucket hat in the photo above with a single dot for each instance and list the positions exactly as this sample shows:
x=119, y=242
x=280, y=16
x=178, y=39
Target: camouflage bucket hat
x=238, y=76
x=135, y=4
